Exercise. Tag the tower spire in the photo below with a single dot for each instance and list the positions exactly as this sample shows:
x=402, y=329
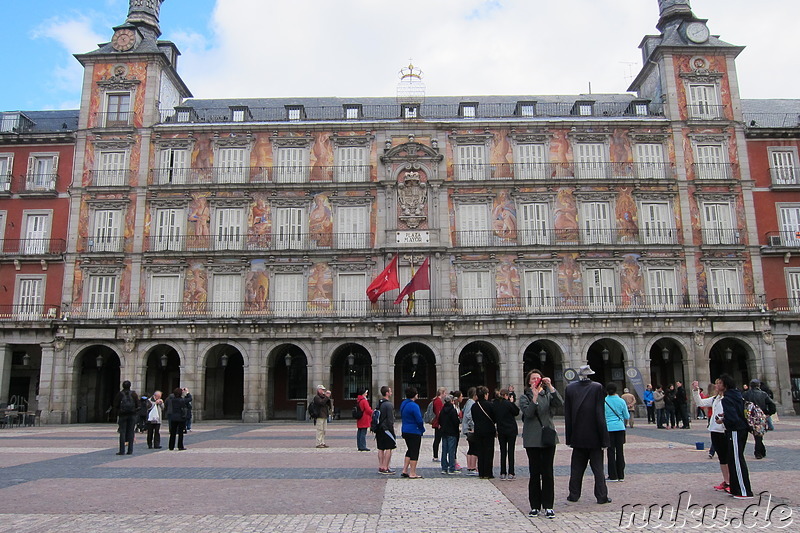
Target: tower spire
x=145, y=13
x=672, y=9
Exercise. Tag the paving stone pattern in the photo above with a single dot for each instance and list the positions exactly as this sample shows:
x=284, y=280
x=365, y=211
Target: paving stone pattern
x=270, y=477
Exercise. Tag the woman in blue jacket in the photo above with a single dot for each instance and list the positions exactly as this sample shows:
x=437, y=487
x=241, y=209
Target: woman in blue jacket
x=616, y=415
x=413, y=427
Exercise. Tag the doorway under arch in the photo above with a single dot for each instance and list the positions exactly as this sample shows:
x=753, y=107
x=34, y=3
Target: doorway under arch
x=98, y=369
x=478, y=365
x=351, y=370
x=414, y=366
x=729, y=356
x=666, y=363
x=607, y=360
x=163, y=370
x=224, y=384
x=288, y=381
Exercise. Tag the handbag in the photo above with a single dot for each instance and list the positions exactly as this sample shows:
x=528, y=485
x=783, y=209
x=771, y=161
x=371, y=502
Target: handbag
x=153, y=415
x=549, y=435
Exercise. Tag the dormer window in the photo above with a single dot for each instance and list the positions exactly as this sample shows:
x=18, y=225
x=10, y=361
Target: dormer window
x=240, y=113
x=14, y=123
x=639, y=108
x=352, y=111
x=525, y=109
x=583, y=108
x=295, y=112
x=468, y=109
x=410, y=111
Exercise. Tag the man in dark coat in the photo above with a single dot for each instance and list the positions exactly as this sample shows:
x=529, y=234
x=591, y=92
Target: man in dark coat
x=586, y=433
x=126, y=403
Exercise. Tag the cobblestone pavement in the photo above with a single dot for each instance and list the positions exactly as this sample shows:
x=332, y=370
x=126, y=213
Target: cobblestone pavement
x=270, y=477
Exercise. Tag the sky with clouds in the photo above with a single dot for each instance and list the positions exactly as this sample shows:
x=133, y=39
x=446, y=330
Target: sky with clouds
x=273, y=48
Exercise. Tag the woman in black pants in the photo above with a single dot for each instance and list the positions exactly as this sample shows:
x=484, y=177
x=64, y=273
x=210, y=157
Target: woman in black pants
x=176, y=411
x=537, y=406
x=506, y=417
x=485, y=432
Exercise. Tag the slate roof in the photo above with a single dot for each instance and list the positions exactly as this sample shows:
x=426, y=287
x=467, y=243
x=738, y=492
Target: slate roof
x=57, y=121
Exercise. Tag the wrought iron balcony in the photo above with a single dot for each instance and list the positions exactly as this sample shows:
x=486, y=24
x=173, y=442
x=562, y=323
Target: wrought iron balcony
x=23, y=247
x=785, y=175
x=713, y=171
x=111, y=178
x=706, y=112
x=29, y=312
x=113, y=119
x=785, y=306
x=445, y=307
x=721, y=236
x=259, y=242
x=566, y=237
x=41, y=182
x=102, y=244
x=247, y=174
x=555, y=171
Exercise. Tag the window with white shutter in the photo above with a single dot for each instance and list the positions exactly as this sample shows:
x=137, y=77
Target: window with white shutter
x=477, y=292
x=352, y=164
x=703, y=102
x=226, y=295
x=531, y=162
x=166, y=232
x=6, y=164
x=3, y=217
x=231, y=165
x=290, y=228
x=229, y=228
x=783, y=166
x=102, y=298
x=287, y=294
x=662, y=288
x=538, y=290
x=352, y=223
x=37, y=233
x=711, y=162
x=596, y=223
x=471, y=163
x=351, y=289
x=600, y=288
x=107, y=235
x=165, y=297
x=42, y=172
x=655, y=223
x=29, y=297
x=291, y=165
x=110, y=170
x=473, y=225
x=173, y=166
x=590, y=161
x=724, y=290
x=718, y=227
x=650, y=161
x=793, y=289
x=790, y=225
x=534, y=223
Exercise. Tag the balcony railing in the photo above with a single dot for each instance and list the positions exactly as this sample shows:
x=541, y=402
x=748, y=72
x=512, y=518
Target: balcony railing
x=783, y=239
x=434, y=111
x=713, y=171
x=548, y=171
x=101, y=244
x=111, y=178
x=721, y=236
x=785, y=175
x=259, y=242
x=246, y=174
x=565, y=237
x=706, y=112
x=43, y=182
x=113, y=119
x=5, y=183
x=32, y=246
x=785, y=305
x=29, y=312
x=558, y=305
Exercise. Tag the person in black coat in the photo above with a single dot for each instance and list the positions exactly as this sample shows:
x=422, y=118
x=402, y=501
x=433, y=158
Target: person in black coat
x=586, y=433
x=505, y=413
x=127, y=417
x=485, y=432
x=177, y=411
x=450, y=429
x=736, y=430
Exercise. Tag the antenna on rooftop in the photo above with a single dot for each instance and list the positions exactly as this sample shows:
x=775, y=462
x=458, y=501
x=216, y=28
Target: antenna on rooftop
x=410, y=88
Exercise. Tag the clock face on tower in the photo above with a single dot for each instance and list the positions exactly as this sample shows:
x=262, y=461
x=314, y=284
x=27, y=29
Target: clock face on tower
x=697, y=32
x=123, y=40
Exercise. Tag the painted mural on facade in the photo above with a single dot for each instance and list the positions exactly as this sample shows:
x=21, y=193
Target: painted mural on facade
x=256, y=288
x=504, y=216
x=320, y=287
x=320, y=221
x=507, y=281
x=195, y=293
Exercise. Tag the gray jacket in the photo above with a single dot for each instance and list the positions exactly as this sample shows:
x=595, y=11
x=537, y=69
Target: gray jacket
x=531, y=429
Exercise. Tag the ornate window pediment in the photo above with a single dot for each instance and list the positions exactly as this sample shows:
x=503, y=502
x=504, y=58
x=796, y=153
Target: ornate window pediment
x=163, y=144
x=595, y=195
x=591, y=262
x=237, y=141
x=290, y=202
x=226, y=268
x=714, y=196
x=539, y=264
x=530, y=138
x=216, y=201
x=472, y=198
x=648, y=137
x=108, y=203
x=728, y=262
x=650, y=195
x=101, y=269
x=350, y=200
x=701, y=75
x=471, y=138
x=349, y=266
x=118, y=81
x=169, y=203
x=290, y=142
x=352, y=140
x=165, y=269
x=475, y=265
x=112, y=144
x=709, y=137
x=589, y=136
x=525, y=197
x=411, y=150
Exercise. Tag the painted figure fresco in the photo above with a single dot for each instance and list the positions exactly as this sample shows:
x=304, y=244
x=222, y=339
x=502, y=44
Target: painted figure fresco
x=631, y=284
x=256, y=292
x=202, y=153
x=560, y=153
x=195, y=294
x=569, y=285
x=621, y=154
x=504, y=217
x=320, y=222
x=320, y=287
x=259, y=228
x=507, y=281
x=566, y=216
x=321, y=157
x=626, y=217
x=199, y=221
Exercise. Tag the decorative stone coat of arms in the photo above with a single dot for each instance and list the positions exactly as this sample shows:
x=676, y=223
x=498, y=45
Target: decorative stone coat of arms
x=412, y=196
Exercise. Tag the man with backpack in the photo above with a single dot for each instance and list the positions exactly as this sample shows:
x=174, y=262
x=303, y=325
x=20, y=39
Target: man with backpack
x=126, y=404
x=764, y=402
x=383, y=426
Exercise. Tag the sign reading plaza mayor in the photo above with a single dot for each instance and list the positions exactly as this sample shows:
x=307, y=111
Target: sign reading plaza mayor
x=413, y=237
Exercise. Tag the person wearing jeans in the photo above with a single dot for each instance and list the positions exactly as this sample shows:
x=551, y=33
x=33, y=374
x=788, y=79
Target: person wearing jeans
x=505, y=413
x=363, y=423
x=449, y=427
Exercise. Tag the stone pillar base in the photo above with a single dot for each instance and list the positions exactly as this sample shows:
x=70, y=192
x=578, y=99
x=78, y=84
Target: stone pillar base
x=251, y=416
x=54, y=417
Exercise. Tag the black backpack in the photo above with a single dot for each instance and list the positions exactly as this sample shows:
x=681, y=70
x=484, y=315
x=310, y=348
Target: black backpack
x=375, y=422
x=313, y=412
x=357, y=412
x=126, y=404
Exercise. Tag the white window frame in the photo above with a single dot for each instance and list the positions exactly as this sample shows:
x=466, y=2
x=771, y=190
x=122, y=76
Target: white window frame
x=657, y=222
x=352, y=226
x=719, y=223
x=118, y=117
x=291, y=164
x=591, y=160
x=789, y=224
x=351, y=164
x=288, y=294
x=38, y=177
x=107, y=230
x=111, y=168
x=793, y=289
x=167, y=229
x=703, y=101
x=783, y=165
x=650, y=161
x=3, y=218
x=473, y=226
x=478, y=291
x=226, y=294
x=290, y=227
x=531, y=161
x=471, y=162
x=29, y=306
x=231, y=164
x=165, y=300
x=173, y=166
x=6, y=171
x=601, y=288
x=724, y=287
x=597, y=225
x=229, y=228
x=711, y=161
x=36, y=230
x=534, y=223
x=350, y=289
x=101, y=295
x=538, y=290
x=662, y=288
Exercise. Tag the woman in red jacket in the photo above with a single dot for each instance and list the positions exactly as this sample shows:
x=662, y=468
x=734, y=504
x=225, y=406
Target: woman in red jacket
x=363, y=423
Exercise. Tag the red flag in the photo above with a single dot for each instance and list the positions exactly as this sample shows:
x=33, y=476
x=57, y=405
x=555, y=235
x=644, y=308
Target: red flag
x=386, y=281
x=420, y=282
